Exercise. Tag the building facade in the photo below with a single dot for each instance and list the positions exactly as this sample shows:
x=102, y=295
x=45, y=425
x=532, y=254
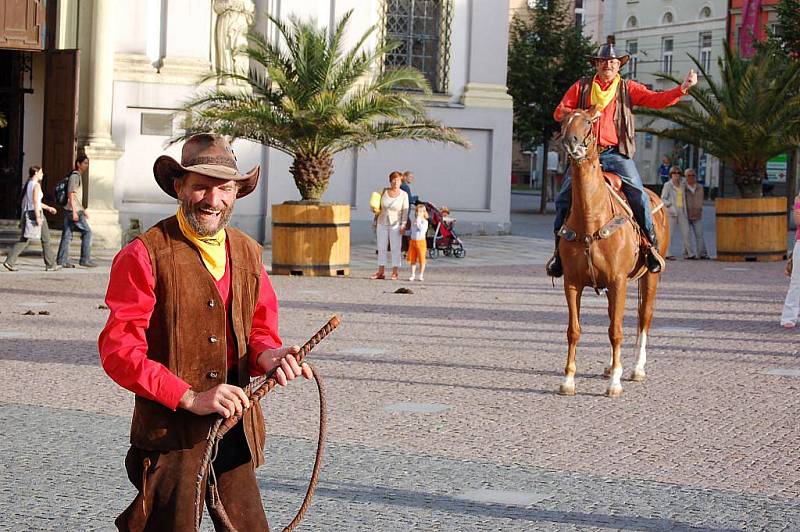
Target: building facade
x=764, y=14
x=660, y=35
x=133, y=64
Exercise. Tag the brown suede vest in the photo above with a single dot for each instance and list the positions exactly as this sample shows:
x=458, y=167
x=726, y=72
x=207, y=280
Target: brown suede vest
x=187, y=334
x=623, y=115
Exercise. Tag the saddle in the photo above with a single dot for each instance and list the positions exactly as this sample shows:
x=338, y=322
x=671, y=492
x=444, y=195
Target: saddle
x=614, y=182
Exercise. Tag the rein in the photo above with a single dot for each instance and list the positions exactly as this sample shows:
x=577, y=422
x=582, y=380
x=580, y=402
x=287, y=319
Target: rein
x=255, y=391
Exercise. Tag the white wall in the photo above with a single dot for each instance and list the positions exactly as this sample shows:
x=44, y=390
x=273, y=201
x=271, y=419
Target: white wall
x=473, y=183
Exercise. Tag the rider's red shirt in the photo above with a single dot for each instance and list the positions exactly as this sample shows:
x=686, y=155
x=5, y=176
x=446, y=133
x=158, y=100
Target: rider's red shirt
x=640, y=95
x=131, y=300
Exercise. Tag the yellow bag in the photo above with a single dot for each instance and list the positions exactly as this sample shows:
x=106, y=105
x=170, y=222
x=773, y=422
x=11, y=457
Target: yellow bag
x=375, y=202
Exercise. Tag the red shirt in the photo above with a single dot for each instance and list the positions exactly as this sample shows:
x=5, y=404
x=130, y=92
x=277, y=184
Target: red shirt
x=640, y=95
x=131, y=299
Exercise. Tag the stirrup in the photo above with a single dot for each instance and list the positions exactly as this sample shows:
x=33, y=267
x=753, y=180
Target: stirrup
x=653, y=252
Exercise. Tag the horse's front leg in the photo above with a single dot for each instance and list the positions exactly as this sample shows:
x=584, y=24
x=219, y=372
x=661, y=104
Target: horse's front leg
x=616, y=310
x=573, y=294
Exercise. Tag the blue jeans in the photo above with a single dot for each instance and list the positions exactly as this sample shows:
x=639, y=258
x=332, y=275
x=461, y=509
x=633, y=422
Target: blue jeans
x=612, y=161
x=82, y=227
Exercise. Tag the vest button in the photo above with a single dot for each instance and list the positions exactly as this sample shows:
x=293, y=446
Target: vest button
x=213, y=374
x=211, y=303
x=212, y=339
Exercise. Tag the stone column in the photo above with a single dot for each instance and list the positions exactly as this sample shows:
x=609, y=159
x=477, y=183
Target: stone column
x=97, y=142
x=486, y=72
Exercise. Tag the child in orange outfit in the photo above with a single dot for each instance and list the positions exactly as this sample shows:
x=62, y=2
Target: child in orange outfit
x=417, y=248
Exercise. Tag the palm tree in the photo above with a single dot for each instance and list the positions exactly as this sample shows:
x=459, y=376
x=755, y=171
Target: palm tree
x=750, y=116
x=311, y=99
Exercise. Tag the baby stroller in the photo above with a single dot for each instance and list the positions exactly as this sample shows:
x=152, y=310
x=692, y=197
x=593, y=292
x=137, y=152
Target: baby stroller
x=441, y=235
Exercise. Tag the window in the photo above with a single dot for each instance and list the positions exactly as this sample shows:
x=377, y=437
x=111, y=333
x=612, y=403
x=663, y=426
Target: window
x=633, y=49
x=705, y=51
x=632, y=22
x=705, y=12
x=666, y=55
x=579, y=14
x=667, y=18
x=423, y=29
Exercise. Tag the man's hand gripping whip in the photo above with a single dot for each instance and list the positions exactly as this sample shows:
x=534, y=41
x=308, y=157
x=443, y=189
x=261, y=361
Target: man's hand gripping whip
x=256, y=390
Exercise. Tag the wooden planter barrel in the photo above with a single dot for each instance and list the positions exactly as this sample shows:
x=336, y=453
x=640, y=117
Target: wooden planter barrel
x=311, y=239
x=751, y=229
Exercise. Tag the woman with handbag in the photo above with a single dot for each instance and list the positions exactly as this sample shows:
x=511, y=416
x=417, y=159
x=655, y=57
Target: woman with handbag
x=390, y=222
x=33, y=223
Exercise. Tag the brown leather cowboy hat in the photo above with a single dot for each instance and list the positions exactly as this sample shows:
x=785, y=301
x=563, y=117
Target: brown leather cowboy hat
x=608, y=51
x=205, y=154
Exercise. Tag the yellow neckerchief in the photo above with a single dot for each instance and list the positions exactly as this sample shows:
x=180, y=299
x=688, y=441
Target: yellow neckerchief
x=212, y=248
x=601, y=98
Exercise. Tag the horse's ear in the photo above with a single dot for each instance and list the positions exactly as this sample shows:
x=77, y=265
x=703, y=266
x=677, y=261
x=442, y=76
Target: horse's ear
x=594, y=113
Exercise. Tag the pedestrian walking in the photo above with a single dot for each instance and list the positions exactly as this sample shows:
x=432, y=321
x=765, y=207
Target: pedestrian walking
x=694, y=215
x=791, y=305
x=192, y=316
x=663, y=169
x=417, y=247
x=76, y=218
x=390, y=223
x=673, y=194
x=33, y=223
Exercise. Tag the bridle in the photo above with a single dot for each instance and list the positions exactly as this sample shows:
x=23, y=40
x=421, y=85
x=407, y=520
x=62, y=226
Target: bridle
x=588, y=141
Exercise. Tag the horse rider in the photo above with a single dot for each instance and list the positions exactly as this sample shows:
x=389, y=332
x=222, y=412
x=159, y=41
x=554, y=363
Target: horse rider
x=615, y=134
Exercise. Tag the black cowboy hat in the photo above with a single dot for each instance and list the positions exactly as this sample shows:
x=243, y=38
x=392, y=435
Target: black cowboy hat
x=608, y=51
x=206, y=154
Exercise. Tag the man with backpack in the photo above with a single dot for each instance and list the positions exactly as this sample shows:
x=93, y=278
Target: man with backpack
x=75, y=218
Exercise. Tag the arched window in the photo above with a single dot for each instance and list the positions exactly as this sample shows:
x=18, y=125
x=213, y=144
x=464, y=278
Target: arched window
x=705, y=12
x=632, y=22
x=667, y=18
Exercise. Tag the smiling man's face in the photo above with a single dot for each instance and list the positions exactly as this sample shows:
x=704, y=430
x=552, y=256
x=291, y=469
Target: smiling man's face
x=207, y=202
x=607, y=69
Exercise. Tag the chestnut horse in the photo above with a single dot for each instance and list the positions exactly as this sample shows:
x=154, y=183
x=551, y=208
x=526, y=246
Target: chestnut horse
x=600, y=247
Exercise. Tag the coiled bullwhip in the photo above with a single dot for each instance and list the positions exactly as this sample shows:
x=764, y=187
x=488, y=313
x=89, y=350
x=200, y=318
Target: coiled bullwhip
x=256, y=390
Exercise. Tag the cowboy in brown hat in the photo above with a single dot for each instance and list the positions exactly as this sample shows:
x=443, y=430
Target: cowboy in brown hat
x=193, y=316
x=614, y=98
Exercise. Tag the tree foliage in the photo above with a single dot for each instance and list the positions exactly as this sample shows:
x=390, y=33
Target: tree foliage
x=546, y=56
x=311, y=98
x=747, y=117
x=789, y=20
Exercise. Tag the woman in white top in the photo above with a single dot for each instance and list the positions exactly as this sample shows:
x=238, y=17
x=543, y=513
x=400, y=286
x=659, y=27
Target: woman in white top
x=390, y=224
x=33, y=223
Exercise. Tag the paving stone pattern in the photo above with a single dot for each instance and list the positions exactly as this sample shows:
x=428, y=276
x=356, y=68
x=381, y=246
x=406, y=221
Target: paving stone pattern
x=708, y=442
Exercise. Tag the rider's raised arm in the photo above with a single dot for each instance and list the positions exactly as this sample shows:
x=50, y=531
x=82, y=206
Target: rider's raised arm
x=569, y=102
x=644, y=97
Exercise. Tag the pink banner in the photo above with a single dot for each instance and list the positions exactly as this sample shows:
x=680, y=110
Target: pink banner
x=750, y=28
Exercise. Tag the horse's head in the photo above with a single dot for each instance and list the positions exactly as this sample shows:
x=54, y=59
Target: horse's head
x=577, y=134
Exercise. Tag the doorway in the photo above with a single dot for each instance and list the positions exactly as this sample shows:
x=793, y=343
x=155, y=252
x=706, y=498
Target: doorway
x=14, y=67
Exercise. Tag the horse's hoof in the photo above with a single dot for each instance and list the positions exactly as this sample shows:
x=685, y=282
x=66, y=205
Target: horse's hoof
x=638, y=375
x=614, y=391
x=565, y=389
x=607, y=373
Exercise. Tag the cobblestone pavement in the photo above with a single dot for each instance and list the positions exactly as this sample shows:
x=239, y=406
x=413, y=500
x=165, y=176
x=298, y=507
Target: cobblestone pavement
x=444, y=412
